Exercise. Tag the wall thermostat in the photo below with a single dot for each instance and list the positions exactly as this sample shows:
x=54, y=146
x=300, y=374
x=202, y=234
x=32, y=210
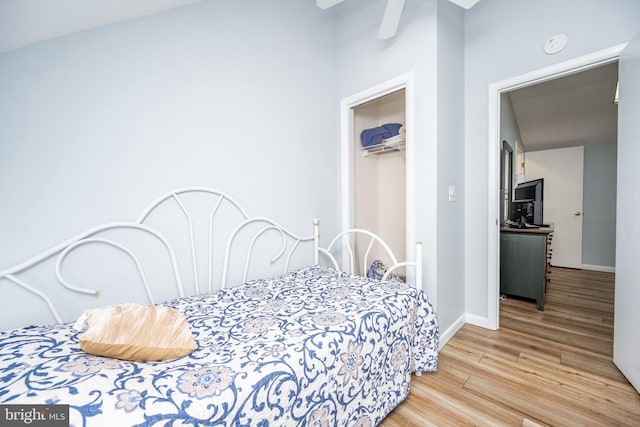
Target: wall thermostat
x=555, y=44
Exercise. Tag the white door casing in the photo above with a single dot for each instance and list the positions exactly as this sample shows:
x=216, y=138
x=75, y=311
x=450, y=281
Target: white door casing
x=562, y=170
x=495, y=90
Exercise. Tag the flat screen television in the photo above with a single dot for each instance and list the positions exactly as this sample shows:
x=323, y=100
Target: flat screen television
x=527, y=203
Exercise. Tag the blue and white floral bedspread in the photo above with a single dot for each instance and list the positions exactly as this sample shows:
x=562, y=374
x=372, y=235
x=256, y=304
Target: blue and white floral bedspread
x=313, y=347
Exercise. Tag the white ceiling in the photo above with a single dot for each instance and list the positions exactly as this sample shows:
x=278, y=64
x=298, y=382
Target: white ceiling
x=562, y=112
x=572, y=110
x=24, y=22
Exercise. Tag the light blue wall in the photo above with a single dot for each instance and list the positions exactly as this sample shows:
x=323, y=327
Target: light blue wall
x=508, y=126
x=364, y=61
x=599, y=205
x=509, y=132
x=450, y=113
x=505, y=38
x=94, y=126
x=429, y=42
x=244, y=96
x=101, y=122
x=235, y=95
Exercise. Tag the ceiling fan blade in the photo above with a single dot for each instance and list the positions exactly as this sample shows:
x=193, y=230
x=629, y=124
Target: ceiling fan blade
x=467, y=4
x=391, y=19
x=325, y=4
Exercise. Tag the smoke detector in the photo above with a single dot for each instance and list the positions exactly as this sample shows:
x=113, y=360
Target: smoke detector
x=555, y=44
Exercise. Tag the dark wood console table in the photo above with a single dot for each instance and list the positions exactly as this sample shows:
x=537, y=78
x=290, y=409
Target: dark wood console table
x=523, y=262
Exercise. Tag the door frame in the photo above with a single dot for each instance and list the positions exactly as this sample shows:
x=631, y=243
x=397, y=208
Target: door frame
x=496, y=89
x=347, y=139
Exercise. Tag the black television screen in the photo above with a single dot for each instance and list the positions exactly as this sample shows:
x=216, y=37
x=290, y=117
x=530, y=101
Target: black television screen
x=529, y=191
x=527, y=203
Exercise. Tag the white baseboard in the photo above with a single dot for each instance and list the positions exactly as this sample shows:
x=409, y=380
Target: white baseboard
x=599, y=268
x=483, y=322
x=459, y=323
x=451, y=330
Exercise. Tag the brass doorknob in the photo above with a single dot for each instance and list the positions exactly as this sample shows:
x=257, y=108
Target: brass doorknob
x=577, y=213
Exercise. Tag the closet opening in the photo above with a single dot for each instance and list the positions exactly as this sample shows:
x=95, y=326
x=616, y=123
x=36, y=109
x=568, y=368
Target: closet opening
x=379, y=170
x=377, y=181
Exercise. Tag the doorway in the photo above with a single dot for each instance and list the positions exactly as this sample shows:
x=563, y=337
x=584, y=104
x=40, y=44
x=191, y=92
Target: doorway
x=496, y=91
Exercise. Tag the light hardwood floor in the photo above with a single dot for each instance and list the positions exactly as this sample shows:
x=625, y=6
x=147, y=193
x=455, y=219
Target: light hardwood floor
x=540, y=368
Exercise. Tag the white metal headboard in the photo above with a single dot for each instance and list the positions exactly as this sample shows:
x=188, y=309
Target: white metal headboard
x=64, y=248
x=175, y=196
x=251, y=229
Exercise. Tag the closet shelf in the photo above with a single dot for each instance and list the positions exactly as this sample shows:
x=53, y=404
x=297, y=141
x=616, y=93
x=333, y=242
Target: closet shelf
x=384, y=148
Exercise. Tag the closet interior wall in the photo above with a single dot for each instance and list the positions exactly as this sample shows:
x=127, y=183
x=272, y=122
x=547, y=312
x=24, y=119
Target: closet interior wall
x=380, y=178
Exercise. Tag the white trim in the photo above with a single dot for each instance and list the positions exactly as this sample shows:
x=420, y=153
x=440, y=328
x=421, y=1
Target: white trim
x=452, y=330
x=603, y=268
x=459, y=323
x=403, y=81
x=571, y=66
x=476, y=320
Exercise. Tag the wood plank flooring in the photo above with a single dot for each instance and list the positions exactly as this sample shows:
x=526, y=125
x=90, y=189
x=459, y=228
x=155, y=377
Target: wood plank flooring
x=550, y=368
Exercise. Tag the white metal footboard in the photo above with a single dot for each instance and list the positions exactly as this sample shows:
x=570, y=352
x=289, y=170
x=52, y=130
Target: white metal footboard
x=347, y=240
x=265, y=225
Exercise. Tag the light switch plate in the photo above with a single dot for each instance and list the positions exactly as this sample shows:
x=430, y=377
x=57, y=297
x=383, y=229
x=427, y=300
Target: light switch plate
x=452, y=193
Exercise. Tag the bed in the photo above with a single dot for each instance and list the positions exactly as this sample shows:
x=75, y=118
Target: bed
x=313, y=344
